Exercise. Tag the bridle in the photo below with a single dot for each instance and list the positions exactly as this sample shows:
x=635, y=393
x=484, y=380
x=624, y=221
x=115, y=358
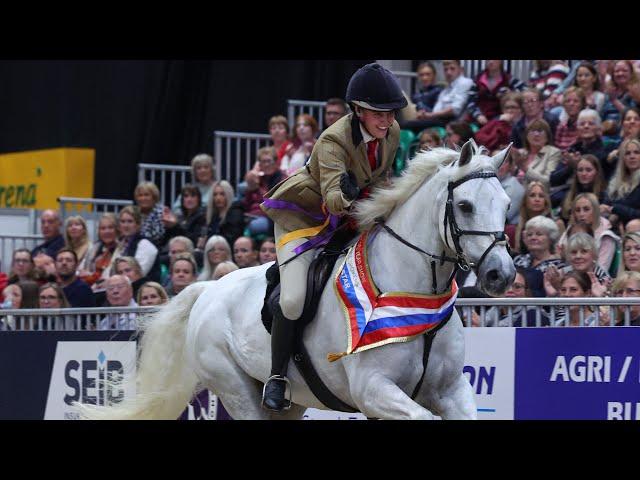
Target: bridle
x=460, y=261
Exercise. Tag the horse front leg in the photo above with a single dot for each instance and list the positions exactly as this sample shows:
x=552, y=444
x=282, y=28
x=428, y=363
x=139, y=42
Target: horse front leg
x=378, y=397
x=456, y=401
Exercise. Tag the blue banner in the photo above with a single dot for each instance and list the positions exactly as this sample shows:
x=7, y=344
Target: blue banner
x=588, y=373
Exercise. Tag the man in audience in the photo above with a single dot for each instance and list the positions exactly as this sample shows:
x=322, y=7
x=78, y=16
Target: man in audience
x=77, y=292
x=119, y=294
x=245, y=252
x=50, y=224
x=335, y=109
x=451, y=100
x=183, y=273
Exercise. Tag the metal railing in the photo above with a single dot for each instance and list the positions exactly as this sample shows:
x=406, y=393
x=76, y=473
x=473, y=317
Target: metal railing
x=95, y=206
x=408, y=81
x=168, y=178
x=10, y=243
x=550, y=309
x=72, y=318
x=313, y=108
x=236, y=152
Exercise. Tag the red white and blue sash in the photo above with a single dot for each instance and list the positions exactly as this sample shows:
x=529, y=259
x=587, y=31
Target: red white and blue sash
x=375, y=319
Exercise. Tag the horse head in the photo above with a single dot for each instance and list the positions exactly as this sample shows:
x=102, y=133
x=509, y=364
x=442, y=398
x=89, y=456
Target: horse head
x=472, y=217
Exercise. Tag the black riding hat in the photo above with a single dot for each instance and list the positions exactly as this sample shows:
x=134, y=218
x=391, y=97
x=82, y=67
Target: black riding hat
x=375, y=88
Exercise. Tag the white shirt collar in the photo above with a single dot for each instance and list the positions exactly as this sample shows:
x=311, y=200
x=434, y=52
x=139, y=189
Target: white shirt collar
x=365, y=135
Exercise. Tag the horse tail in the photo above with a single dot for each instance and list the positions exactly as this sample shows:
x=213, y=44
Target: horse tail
x=165, y=383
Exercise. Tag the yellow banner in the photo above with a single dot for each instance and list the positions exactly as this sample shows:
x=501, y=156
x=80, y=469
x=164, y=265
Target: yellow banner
x=35, y=179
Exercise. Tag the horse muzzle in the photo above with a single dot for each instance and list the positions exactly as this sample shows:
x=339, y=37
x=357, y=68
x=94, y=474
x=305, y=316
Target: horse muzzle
x=496, y=273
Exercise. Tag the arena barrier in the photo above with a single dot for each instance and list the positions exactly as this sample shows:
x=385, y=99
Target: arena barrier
x=313, y=108
x=235, y=153
x=10, y=243
x=90, y=206
x=168, y=178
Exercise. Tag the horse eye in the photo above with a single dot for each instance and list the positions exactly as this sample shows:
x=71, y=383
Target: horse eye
x=465, y=206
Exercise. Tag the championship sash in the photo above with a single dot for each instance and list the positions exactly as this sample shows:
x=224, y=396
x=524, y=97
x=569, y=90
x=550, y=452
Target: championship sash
x=375, y=319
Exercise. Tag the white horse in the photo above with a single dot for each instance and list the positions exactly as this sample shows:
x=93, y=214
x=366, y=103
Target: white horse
x=211, y=335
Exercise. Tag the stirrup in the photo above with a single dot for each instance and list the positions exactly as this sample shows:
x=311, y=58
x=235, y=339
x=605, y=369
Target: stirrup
x=278, y=378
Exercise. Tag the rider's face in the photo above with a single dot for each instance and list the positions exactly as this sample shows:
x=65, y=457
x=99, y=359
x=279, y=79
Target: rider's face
x=376, y=123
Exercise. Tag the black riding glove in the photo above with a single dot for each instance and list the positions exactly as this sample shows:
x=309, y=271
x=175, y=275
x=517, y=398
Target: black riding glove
x=349, y=186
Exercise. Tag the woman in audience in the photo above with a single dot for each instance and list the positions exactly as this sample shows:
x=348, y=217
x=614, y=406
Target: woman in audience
x=585, y=210
x=587, y=80
x=51, y=295
x=458, y=133
x=575, y=284
x=151, y=294
x=626, y=285
x=573, y=101
x=630, y=253
x=223, y=269
x=76, y=236
x=297, y=154
x=427, y=95
x=224, y=216
x=538, y=158
x=587, y=178
x=22, y=266
x=22, y=295
x=267, y=250
x=429, y=139
x=257, y=185
x=496, y=133
x=94, y=269
x=279, y=131
x=147, y=198
x=630, y=130
x=130, y=268
x=540, y=237
x=624, y=189
x=536, y=202
x=217, y=250
x=133, y=244
x=203, y=174
x=190, y=221
x=623, y=90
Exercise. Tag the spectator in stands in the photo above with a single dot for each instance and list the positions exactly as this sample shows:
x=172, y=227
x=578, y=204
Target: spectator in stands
x=451, y=101
x=223, y=269
x=130, y=268
x=224, y=216
x=147, y=198
x=245, y=252
x=573, y=102
x=133, y=244
x=76, y=236
x=630, y=130
x=624, y=191
x=297, y=154
x=533, y=110
x=512, y=317
x=45, y=268
x=586, y=178
x=574, y=284
x=335, y=109
x=94, y=269
x=540, y=236
x=627, y=285
x=538, y=158
x=176, y=245
x=50, y=224
x=119, y=294
x=587, y=80
x=429, y=139
x=257, y=185
x=547, y=76
x=484, y=95
x=630, y=252
x=458, y=133
x=536, y=202
x=279, y=131
x=513, y=189
x=22, y=295
x=22, y=266
x=631, y=226
x=203, y=174
x=51, y=295
x=427, y=95
x=623, y=90
x=77, y=292
x=216, y=251
x=582, y=255
x=267, y=250
x=190, y=221
x=183, y=273
x=496, y=133
x=151, y=294
x=586, y=210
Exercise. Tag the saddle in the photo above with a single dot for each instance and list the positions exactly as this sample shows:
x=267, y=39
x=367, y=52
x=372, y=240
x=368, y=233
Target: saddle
x=317, y=277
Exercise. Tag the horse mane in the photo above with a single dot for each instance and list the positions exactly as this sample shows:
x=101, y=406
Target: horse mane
x=424, y=165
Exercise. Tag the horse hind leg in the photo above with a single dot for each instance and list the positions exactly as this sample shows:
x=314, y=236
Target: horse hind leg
x=378, y=397
x=456, y=402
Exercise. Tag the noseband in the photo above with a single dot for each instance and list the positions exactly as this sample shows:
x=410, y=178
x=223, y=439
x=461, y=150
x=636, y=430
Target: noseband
x=461, y=262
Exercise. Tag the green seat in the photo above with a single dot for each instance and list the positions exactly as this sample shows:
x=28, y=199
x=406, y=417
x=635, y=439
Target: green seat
x=407, y=137
x=474, y=127
x=615, y=263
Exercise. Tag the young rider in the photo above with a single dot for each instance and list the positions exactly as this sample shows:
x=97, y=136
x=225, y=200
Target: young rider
x=353, y=154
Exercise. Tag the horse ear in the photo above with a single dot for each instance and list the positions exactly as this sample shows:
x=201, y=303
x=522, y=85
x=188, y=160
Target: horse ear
x=499, y=158
x=467, y=152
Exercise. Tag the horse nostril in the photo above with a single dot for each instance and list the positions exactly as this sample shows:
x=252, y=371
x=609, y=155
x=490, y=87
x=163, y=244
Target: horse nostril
x=493, y=275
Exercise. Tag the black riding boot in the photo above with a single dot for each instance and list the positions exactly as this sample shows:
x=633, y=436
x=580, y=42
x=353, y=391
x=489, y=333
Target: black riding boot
x=282, y=333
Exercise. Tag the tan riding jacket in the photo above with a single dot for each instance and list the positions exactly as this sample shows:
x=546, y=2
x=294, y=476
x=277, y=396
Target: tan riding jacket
x=340, y=148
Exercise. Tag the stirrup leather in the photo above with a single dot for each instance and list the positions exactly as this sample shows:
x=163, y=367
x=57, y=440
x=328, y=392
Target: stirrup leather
x=278, y=378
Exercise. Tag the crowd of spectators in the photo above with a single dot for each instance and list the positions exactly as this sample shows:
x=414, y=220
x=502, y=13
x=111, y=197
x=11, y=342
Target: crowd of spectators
x=573, y=177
